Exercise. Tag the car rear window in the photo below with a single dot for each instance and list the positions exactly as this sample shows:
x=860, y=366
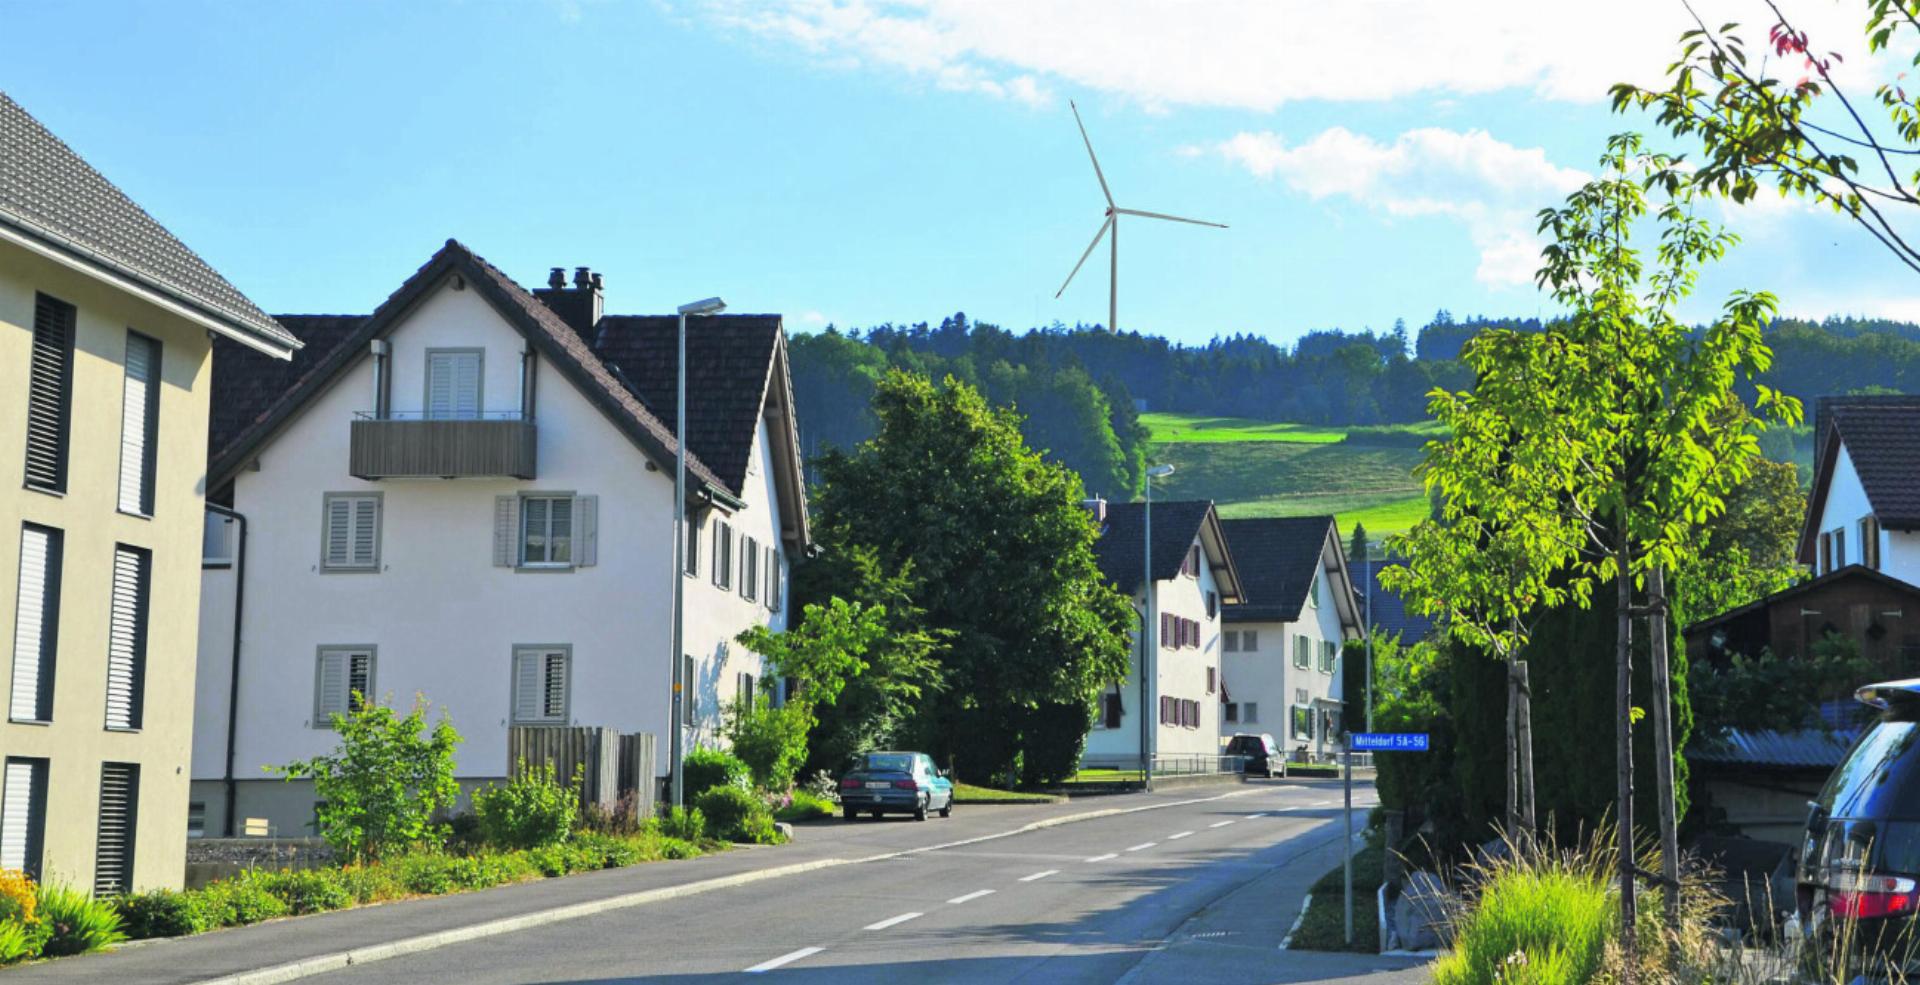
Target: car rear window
x=1880, y=777
x=890, y=762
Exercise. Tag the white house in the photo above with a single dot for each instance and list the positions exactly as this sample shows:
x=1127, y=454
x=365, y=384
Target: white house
x=1865, y=504
x=1193, y=577
x=468, y=496
x=1282, y=645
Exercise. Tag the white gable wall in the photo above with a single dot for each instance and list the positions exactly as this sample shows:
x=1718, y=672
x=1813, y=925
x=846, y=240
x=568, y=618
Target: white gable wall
x=1846, y=505
x=1269, y=678
x=1181, y=673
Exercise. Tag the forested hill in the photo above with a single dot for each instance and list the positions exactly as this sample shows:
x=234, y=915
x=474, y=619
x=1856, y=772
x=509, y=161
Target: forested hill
x=1078, y=386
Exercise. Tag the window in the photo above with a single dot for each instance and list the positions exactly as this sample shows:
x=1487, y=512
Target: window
x=1313, y=592
x=693, y=544
x=1329, y=652
x=743, y=690
x=1112, y=708
x=343, y=682
x=36, y=624
x=119, y=816
x=1212, y=679
x=774, y=594
x=350, y=540
x=1839, y=547
x=453, y=384
x=23, y=814
x=139, y=424
x=1230, y=641
x=1249, y=641
x=723, y=554
x=688, y=691
x=1213, y=605
x=546, y=531
x=1300, y=696
x=49, y=394
x=1302, y=722
x=1191, y=565
x=1230, y=711
x=197, y=820
x=1870, y=542
x=749, y=568
x=216, y=541
x=1250, y=713
x=127, y=637
x=541, y=688
x=1826, y=552
x=1300, y=657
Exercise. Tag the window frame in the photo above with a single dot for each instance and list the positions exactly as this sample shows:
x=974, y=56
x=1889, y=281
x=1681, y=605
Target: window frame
x=1249, y=641
x=326, y=531
x=749, y=568
x=63, y=409
x=149, y=415
x=723, y=555
x=690, y=565
x=228, y=536
x=34, y=848
x=479, y=383
x=137, y=658
x=1313, y=591
x=1249, y=712
x=322, y=720
x=1229, y=641
x=689, y=707
x=1329, y=656
x=1302, y=652
x=124, y=883
x=541, y=650
x=48, y=656
x=573, y=531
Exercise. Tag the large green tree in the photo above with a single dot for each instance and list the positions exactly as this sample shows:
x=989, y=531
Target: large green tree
x=1002, y=559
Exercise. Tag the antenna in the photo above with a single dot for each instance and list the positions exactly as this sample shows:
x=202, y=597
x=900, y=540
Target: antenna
x=1110, y=230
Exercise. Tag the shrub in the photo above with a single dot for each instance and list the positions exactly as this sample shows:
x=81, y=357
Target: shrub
x=20, y=941
x=371, y=883
x=803, y=804
x=824, y=786
x=424, y=874
x=736, y=815
x=623, y=819
x=771, y=741
x=532, y=809
x=1542, y=916
x=18, y=899
x=76, y=923
x=161, y=913
x=684, y=823
x=705, y=769
x=608, y=852
x=307, y=890
x=239, y=902
x=385, y=785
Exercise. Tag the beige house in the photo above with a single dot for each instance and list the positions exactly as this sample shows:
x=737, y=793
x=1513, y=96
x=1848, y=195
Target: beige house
x=105, y=329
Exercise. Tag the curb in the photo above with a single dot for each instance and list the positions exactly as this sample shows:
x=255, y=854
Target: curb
x=338, y=960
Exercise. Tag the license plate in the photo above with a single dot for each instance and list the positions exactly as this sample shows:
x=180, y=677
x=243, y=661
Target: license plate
x=878, y=784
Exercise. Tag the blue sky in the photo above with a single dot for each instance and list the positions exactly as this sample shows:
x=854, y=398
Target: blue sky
x=860, y=161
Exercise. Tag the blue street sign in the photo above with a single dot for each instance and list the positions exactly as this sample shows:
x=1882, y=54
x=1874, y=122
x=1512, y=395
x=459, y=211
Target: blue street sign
x=1388, y=742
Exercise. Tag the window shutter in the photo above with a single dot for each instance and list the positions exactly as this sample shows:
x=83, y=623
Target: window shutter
x=127, y=637
x=139, y=410
x=359, y=680
x=1249, y=641
x=1250, y=712
x=49, y=393
x=366, y=525
x=749, y=567
x=330, y=687
x=23, y=813
x=553, y=690
x=36, y=625
x=506, y=527
x=528, y=696
x=770, y=560
x=1212, y=681
x=693, y=544
x=586, y=515
x=119, y=810
x=453, y=385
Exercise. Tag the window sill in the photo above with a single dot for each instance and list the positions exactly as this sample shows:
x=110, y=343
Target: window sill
x=542, y=568
x=124, y=731
x=30, y=721
x=134, y=513
x=213, y=565
x=44, y=490
x=349, y=571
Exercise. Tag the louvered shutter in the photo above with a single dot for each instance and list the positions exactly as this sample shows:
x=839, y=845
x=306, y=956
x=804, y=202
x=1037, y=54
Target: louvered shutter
x=506, y=527
x=329, y=687
x=127, y=637
x=586, y=538
x=366, y=528
x=527, y=686
x=23, y=815
x=553, y=688
x=139, y=406
x=119, y=814
x=36, y=625
x=749, y=567
x=49, y=393
x=453, y=385
x=359, y=680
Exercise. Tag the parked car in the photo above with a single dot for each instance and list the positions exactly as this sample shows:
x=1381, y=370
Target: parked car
x=1262, y=753
x=1860, y=862
x=895, y=783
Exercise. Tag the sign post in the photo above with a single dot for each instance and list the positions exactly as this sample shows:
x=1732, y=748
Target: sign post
x=1346, y=853
x=1369, y=742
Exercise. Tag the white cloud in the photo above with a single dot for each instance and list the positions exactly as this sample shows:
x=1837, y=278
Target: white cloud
x=1259, y=54
x=1492, y=187
x=812, y=319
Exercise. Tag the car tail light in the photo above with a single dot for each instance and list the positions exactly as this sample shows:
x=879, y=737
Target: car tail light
x=849, y=783
x=1864, y=897
x=905, y=785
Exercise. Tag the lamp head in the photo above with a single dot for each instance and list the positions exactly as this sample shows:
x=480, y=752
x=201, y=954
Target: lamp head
x=1160, y=471
x=709, y=306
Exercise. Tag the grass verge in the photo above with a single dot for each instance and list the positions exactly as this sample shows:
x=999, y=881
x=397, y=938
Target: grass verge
x=967, y=793
x=1324, y=926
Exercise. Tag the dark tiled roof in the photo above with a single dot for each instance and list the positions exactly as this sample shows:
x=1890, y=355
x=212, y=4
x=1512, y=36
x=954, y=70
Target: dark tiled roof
x=1390, y=615
x=1278, y=559
x=51, y=194
x=246, y=381
x=728, y=366
x=1121, y=547
x=1882, y=437
x=1812, y=749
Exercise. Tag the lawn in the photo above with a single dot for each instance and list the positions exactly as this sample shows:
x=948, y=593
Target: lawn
x=967, y=793
x=1370, y=484
x=1324, y=927
x=1164, y=428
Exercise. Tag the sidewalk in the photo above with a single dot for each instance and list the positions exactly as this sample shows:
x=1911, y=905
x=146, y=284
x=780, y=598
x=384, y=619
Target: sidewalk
x=275, y=943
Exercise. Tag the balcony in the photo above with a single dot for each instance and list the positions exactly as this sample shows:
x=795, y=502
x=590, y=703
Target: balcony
x=412, y=447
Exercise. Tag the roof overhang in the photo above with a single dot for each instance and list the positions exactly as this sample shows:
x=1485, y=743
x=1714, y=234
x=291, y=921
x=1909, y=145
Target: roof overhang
x=1826, y=454
x=71, y=255
x=1333, y=560
x=1213, y=539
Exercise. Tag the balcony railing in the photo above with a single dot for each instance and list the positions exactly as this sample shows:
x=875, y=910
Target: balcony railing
x=413, y=447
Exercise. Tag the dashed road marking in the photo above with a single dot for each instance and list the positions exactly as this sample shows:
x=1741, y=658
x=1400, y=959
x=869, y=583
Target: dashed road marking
x=1103, y=858
x=976, y=894
x=1219, y=824
x=1143, y=846
x=1040, y=875
x=789, y=958
x=892, y=921
x=1177, y=837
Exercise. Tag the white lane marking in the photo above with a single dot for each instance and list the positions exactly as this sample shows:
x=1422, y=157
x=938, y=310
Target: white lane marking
x=1103, y=858
x=1143, y=846
x=1264, y=813
x=1322, y=803
x=1219, y=824
x=1177, y=837
x=1040, y=875
x=766, y=966
x=976, y=894
x=891, y=921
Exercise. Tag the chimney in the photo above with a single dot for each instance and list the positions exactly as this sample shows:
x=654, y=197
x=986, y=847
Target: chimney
x=581, y=305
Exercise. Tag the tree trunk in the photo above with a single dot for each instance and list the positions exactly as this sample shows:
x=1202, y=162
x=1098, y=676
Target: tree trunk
x=1662, y=699
x=1623, y=746
x=1513, y=752
x=1524, y=727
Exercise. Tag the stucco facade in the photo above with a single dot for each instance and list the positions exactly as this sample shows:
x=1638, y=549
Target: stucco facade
x=1266, y=684
x=1841, y=526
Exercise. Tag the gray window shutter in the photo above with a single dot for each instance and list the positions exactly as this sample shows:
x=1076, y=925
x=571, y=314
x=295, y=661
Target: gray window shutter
x=23, y=812
x=527, y=690
x=127, y=637
x=119, y=812
x=359, y=679
x=36, y=625
x=139, y=407
x=49, y=393
x=453, y=385
x=329, y=687
x=586, y=535
x=553, y=688
x=366, y=532
x=506, y=531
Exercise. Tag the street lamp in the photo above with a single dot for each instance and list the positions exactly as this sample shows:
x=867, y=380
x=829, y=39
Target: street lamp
x=1149, y=638
x=676, y=658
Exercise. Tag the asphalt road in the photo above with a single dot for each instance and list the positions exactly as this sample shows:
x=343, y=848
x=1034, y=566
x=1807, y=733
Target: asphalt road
x=1140, y=897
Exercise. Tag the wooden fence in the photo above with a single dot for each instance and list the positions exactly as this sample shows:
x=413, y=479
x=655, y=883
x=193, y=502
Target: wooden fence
x=605, y=763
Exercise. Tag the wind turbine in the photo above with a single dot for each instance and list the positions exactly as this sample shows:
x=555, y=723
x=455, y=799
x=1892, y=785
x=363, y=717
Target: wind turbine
x=1111, y=225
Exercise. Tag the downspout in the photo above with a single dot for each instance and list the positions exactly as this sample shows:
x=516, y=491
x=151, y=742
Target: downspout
x=233, y=674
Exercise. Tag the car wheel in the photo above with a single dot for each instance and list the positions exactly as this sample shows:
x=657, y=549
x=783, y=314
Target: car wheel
x=876, y=815
x=946, y=809
x=850, y=814
x=920, y=811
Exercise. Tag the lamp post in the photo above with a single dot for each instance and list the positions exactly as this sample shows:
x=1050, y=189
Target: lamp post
x=676, y=657
x=1149, y=638
x=1366, y=623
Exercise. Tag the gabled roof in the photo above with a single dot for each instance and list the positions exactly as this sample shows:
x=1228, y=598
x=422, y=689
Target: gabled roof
x=1882, y=437
x=1121, y=548
x=1851, y=572
x=54, y=202
x=1280, y=557
x=1817, y=749
x=1390, y=614
x=736, y=364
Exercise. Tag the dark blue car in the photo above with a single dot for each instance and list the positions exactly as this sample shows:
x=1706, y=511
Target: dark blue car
x=895, y=783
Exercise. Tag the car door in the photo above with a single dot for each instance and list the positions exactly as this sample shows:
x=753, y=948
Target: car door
x=939, y=788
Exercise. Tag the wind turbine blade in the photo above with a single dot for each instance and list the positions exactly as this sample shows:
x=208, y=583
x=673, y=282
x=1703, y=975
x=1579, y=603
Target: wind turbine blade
x=1171, y=218
x=1083, y=257
x=1090, y=156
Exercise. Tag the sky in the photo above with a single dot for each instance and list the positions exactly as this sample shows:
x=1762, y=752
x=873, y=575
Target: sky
x=854, y=162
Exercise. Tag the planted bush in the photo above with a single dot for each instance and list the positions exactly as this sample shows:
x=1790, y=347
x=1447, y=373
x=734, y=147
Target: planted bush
x=76, y=922
x=530, y=810
x=307, y=890
x=802, y=805
x=684, y=823
x=239, y=902
x=20, y=941
x=705, y=769
x=383, y=788
x=736, y=815
x=162, y=913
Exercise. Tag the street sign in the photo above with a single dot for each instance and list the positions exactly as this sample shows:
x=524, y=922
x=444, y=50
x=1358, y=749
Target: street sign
x=1389, y=742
